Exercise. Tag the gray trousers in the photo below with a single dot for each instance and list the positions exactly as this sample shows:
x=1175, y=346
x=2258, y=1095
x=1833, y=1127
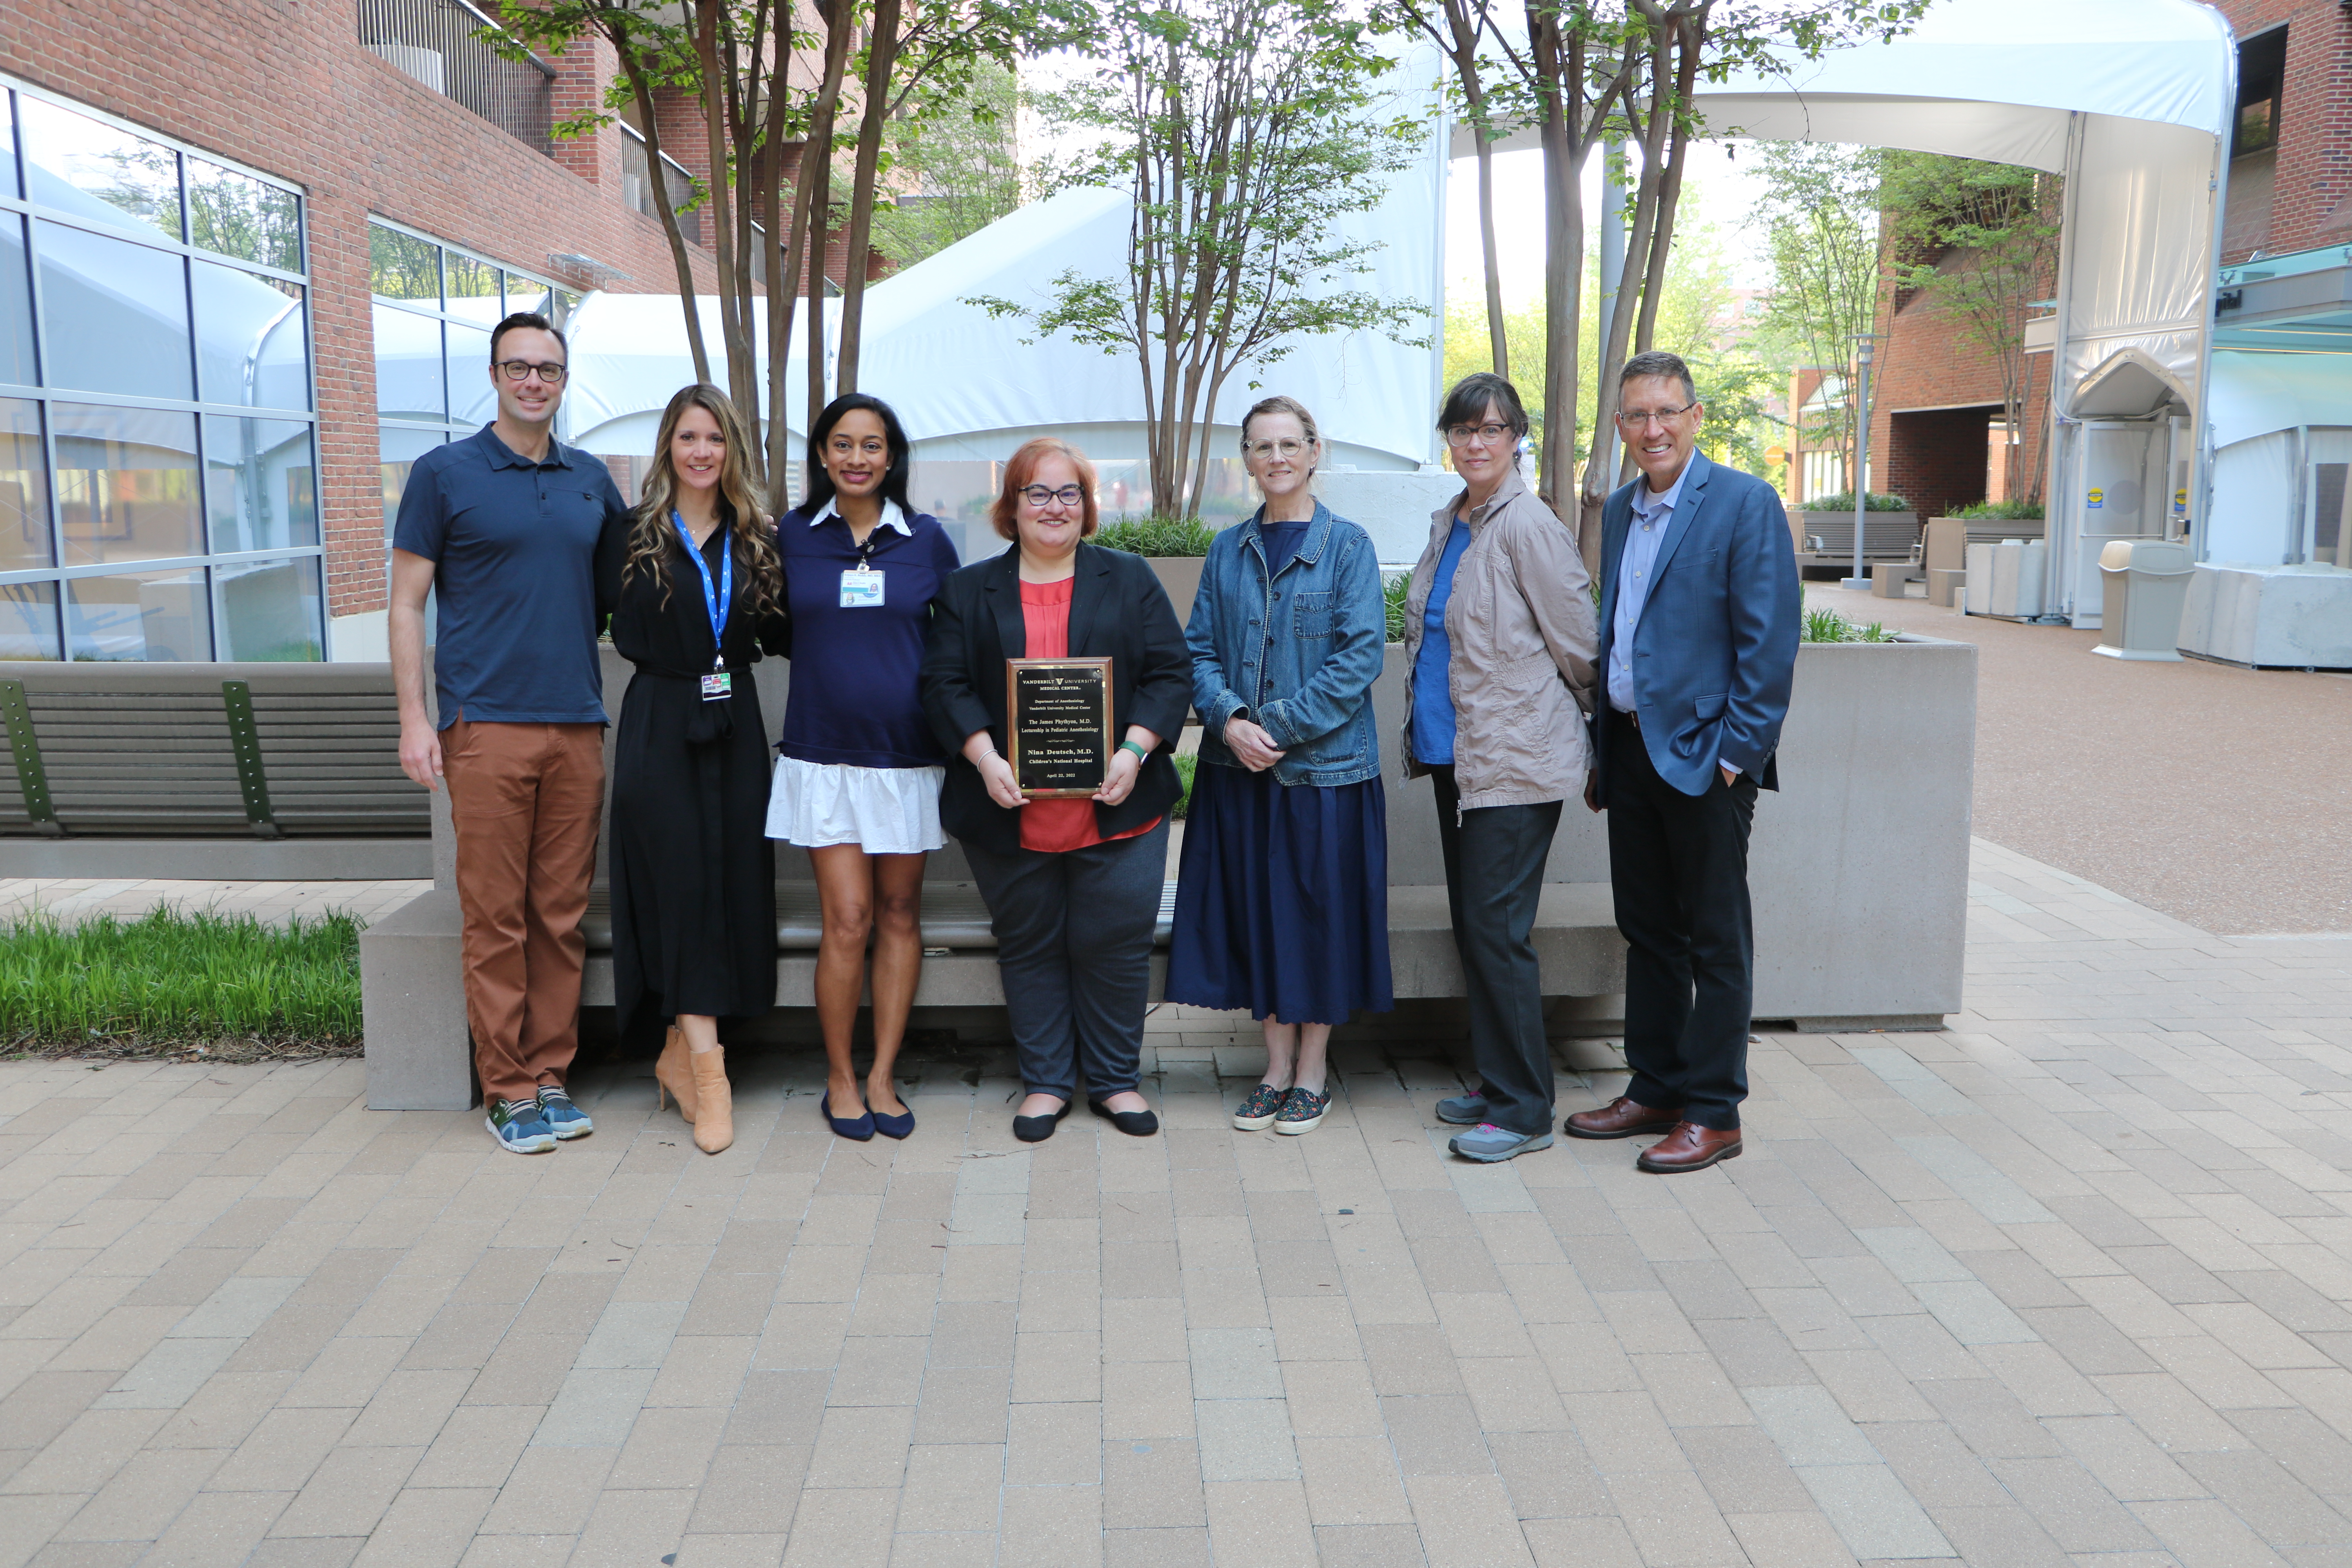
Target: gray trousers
x=1073, y=950
x=1493, y=879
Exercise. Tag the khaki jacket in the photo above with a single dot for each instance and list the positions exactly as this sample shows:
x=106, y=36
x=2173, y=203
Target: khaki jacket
x=1521, y=623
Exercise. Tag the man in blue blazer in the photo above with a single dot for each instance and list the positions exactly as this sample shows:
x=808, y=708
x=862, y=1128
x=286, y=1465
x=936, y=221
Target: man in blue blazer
x=1698, y=643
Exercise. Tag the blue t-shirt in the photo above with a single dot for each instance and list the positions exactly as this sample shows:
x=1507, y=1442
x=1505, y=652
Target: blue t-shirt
x=856, y=690
x=1433, y=692
x=513, y=547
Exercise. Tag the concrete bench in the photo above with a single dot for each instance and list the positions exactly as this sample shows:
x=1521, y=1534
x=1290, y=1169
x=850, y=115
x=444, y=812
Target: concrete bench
x=1859, y=869
x=261, y=771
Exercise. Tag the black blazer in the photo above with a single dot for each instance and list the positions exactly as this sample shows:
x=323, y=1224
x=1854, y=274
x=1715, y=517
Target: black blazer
x=1118, y=608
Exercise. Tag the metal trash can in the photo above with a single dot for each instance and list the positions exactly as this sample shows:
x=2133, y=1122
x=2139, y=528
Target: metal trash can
x=2144, y=583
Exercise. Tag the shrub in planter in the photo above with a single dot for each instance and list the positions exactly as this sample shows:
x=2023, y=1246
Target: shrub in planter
x=1844, y=501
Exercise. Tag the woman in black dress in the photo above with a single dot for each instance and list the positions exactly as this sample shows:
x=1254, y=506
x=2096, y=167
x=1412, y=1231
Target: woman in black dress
x=698, y=589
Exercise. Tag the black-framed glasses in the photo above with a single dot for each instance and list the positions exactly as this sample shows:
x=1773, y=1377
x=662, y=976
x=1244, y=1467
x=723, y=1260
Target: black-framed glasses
x=549, y=372
x=1643, y=420
x=1490, y=433
x=1041, y=498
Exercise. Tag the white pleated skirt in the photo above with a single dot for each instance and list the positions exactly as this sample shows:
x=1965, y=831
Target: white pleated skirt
x=883, y=811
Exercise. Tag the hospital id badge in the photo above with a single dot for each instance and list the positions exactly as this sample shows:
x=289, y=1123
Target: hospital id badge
x=718, y=684
x=861, y=588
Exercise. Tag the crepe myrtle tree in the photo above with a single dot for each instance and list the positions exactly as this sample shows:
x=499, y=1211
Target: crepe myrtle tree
x=1245, y=130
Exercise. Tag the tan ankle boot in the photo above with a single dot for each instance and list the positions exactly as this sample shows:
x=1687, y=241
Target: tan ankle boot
x=672, y=1073
x=714, y=1123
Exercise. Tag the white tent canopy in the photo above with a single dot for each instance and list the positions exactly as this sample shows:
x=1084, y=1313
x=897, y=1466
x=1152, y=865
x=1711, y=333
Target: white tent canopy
x=2131, y=101
x=970, y=389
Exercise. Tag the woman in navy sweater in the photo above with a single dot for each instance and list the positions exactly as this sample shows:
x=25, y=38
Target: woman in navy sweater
x=858, y=781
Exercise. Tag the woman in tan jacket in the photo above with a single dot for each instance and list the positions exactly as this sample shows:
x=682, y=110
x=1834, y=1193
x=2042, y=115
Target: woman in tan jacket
x=1499, y=638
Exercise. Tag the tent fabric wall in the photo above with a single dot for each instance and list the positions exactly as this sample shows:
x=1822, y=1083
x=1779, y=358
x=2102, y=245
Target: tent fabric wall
x=2130, y=100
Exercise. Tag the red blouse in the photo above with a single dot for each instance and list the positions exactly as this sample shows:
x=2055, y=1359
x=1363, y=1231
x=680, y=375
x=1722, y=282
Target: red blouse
x=1054, y=827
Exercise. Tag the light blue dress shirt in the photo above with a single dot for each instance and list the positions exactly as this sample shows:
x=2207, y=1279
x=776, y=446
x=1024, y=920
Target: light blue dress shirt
x=1645, y=536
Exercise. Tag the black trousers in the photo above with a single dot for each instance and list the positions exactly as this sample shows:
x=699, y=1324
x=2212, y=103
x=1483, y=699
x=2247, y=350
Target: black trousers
x=1494, y=878
x=1073, y=950
x=1678, y=865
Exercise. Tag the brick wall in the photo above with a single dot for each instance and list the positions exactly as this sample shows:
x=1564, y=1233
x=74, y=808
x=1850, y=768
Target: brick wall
x=2306, y=186
x=286, y=87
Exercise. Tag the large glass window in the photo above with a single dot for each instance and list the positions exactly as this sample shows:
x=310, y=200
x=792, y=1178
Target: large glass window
x=434, y=306
x=158, y=439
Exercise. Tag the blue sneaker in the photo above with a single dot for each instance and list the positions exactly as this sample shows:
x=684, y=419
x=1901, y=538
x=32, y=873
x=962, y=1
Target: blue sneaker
x=1463, y=1109
x=1486, y=1143
x=556, y=1108
x=519, y=1125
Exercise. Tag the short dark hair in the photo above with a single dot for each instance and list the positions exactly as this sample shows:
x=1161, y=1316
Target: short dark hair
x=1476, y=393
x=893, y=435
x=1658, y=361
x=526, y=318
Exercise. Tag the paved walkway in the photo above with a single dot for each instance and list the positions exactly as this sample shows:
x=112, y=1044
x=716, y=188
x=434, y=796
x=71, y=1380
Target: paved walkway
x=2065, y=1285
x=2209, y=792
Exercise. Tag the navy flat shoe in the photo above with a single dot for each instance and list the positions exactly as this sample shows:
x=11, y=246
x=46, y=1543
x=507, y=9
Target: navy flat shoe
x=1037, y=1128
x=859, y=1128
x=1134, y=1124
x=896, y=1126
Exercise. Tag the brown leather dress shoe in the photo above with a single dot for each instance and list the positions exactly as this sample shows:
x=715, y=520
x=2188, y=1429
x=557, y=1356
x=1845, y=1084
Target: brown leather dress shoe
x=1621, y=1117
x=1689, y=1147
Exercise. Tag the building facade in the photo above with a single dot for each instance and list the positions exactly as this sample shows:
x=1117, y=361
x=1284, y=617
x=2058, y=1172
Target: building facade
x=248, y=267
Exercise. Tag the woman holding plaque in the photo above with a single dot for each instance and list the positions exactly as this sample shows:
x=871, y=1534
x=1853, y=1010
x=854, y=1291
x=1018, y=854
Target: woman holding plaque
x=697, y=591
x=858, y=781
x=1282, y=907
x=1073, y=878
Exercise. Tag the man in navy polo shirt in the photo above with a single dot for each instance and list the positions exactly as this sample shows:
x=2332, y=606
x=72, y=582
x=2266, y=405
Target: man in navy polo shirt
x=504, y=524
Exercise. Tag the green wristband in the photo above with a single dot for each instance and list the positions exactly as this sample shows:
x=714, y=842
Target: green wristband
x=1140, y=754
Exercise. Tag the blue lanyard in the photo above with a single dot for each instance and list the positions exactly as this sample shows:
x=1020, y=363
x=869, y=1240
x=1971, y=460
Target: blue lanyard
x=718, y=600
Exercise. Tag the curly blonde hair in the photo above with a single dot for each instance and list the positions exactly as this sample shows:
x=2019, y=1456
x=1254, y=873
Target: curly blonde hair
x=753, y=532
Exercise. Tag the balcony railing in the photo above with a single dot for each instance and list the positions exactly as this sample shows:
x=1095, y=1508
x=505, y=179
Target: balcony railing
x=439, y=43
x=637, y=184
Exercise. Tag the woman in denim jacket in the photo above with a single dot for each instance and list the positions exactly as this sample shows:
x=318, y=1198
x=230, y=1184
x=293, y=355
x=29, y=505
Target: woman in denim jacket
x=1282, y=896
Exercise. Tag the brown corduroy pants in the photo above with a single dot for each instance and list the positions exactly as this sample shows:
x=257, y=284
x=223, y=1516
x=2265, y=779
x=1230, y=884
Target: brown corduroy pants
x=525, y=800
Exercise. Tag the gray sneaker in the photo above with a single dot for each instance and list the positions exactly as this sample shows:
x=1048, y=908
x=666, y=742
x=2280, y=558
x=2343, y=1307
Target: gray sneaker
x=1463, y=1109
x=1488, y=1143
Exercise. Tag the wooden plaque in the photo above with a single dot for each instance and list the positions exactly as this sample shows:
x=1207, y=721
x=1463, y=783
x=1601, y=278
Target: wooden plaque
x=1058, y=725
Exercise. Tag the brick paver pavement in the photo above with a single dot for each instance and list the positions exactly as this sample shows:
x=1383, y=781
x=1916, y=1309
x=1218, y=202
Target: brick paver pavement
x=2067, y=1284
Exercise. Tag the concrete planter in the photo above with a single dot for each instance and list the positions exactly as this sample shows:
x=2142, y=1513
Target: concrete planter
x=1181, y=576
x=1858, y=865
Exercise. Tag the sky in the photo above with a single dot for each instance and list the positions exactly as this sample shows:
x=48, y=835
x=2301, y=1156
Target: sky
x=1725, y=188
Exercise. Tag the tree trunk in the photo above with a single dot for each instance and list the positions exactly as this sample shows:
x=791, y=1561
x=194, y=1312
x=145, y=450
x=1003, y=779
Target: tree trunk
x=813, y=192
x=1498, y=342
x=781, y=294
x=720, y=203
x=1563, y=302
x=881, y=62
x=1619, y=329
x=642, y=86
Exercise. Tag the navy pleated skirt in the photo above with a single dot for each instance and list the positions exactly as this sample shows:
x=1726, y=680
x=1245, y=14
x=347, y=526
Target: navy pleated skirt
x=1282, y=898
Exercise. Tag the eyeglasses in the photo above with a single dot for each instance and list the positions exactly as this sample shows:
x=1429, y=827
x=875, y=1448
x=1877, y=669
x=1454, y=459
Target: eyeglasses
x=521, y=369
x=1642, y=421
x=1285, y=448
x=1041, y=498
x=1462, y=434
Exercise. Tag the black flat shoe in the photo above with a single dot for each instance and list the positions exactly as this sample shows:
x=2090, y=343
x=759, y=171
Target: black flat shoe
x=1134, y=1124
x=1037, y=1128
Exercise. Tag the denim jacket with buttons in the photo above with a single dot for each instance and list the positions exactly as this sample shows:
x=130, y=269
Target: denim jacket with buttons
x=1296, y=653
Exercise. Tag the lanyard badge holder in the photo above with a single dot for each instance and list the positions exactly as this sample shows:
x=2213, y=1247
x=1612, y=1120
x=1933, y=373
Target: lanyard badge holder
x=861, y=585
x=719, y=684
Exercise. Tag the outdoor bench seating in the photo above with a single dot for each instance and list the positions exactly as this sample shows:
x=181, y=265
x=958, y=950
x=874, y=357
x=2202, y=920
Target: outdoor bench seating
x=1859, y=871
x=260, y=771
x=1825, y=539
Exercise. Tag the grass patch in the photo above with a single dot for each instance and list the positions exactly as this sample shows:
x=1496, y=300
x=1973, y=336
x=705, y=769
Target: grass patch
x=1185, y=768
x=1824, y=624
x=224, y=988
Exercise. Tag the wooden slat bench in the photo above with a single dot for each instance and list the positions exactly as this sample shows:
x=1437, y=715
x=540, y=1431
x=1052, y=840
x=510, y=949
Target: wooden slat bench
x=1825, y=539
x=227, y=772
